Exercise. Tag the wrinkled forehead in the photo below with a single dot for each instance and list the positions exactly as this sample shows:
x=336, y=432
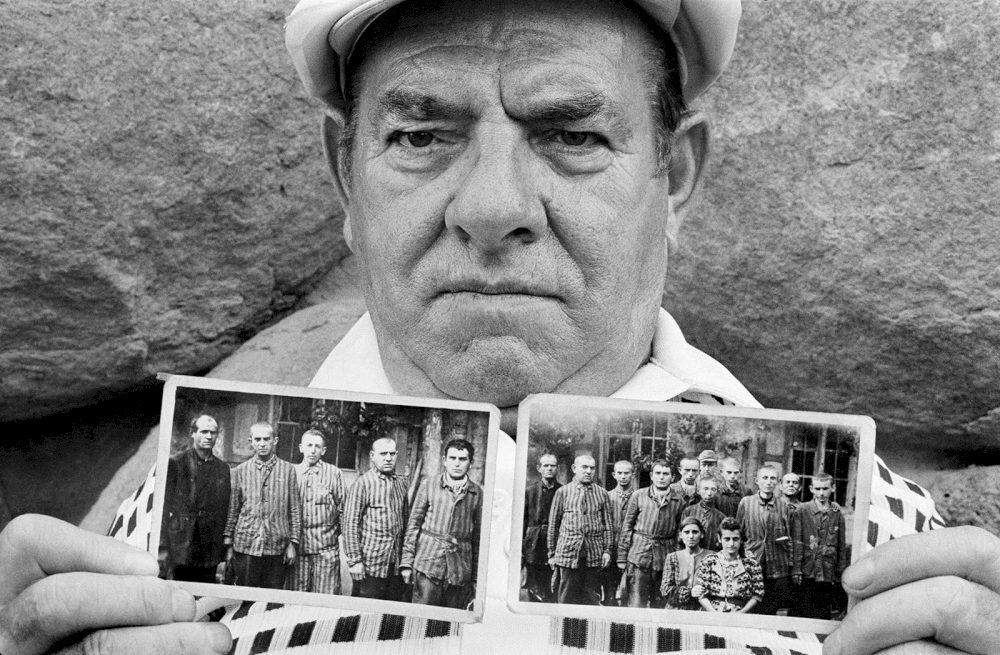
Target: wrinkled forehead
x=425, y=40
x=584, y=460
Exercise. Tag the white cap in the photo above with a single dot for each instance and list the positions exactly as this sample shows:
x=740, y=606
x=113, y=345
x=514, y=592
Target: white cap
x=320, y=35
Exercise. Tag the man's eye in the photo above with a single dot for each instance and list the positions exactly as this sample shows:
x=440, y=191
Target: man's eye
x=417, y=139
x=577, y=139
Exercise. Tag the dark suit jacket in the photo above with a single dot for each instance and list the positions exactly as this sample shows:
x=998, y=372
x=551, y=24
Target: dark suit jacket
x=195, y=508
x=537, y=503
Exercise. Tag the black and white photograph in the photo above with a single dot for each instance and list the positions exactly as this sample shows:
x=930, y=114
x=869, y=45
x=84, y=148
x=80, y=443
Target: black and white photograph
x=343, y=500
x=784, y=204
x=634, y=508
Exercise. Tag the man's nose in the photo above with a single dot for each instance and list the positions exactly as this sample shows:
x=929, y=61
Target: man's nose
x=497, y=203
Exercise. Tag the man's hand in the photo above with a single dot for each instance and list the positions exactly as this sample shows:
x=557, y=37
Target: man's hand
x=291, y=552
x=407, y=575
x=357, y=571
x=621, y=565
x=797, y=578
x=933, y=593
x=697, y=591
x=60, y=584
x=605, y=560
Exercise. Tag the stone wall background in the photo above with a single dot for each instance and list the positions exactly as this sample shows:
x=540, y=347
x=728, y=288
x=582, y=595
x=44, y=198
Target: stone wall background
x=163, y=199
x=845, y=256
x=162, y=193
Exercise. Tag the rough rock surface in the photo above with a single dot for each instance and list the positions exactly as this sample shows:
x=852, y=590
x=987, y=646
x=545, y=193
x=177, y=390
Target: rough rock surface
x=967, y=497
x=162, y=194
x=844, y=254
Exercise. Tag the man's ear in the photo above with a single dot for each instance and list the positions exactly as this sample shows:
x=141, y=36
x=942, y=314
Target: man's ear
x=688, y=157
x=331, y=131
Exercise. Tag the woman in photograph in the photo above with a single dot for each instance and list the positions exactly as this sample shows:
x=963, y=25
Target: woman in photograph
x=730, y=581
x=680, y=586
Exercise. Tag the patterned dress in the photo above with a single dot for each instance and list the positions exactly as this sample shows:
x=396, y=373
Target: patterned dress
x=730, y=584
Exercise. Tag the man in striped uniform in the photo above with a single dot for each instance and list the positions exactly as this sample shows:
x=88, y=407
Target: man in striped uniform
x=441, y=547
x=374, y=520
x=648, y=533
x=265, y=515
x=766, y=520
x=581, y=533
x=622, y=473
x=321, y=486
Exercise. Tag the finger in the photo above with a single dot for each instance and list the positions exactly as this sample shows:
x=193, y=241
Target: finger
x=920, y=648
x=949, y=610
x=60, y=606
x=33, y=546
x=973, y=554
x=174, y=639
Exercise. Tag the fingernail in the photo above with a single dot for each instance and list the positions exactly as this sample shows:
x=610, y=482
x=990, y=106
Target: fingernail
x=831, y=645
x=183, y=604
x=219, y=638
x=859, y=575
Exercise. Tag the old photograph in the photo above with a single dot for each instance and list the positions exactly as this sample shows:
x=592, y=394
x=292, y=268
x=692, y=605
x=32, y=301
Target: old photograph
x=326, y=498
x=708, y=512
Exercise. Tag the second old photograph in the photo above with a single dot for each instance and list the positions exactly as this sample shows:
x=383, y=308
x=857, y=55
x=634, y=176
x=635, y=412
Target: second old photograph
x=633, y=509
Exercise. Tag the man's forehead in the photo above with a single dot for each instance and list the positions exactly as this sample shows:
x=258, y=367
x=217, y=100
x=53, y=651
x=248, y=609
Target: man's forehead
x=532, y=61
x=206, y=423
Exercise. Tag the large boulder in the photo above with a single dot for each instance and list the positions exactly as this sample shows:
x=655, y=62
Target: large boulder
x=162, y=193
x=844, y=255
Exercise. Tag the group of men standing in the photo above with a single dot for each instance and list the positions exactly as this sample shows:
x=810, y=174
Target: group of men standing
x=585, y=545
x=279, y=526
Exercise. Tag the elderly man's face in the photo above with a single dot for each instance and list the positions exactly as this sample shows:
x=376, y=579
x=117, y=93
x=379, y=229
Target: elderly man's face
x=505, y=200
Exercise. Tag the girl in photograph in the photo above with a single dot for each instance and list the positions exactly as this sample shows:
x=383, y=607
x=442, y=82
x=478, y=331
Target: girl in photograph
x=680, y=586
x=730, y=581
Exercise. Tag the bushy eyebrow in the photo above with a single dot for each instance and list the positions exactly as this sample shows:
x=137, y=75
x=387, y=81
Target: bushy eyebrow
x=414, y=105
x=408, y=104
x=579, y=107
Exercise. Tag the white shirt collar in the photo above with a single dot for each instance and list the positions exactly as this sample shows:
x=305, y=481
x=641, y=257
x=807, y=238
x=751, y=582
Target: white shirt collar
x=675, y=367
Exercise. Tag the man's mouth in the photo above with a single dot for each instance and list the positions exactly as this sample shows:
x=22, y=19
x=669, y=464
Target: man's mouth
x=498, y=288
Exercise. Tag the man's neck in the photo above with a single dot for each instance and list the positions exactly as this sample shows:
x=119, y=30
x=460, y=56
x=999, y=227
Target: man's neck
x=204, y=454
x=765, y=496
x=384, y=474
x=455, y=482
x=734, y=485
x=623, y=489
x=265, y=460
x=822, y=504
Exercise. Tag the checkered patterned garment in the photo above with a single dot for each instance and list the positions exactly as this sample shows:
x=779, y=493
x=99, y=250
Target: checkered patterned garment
x=898, y=507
